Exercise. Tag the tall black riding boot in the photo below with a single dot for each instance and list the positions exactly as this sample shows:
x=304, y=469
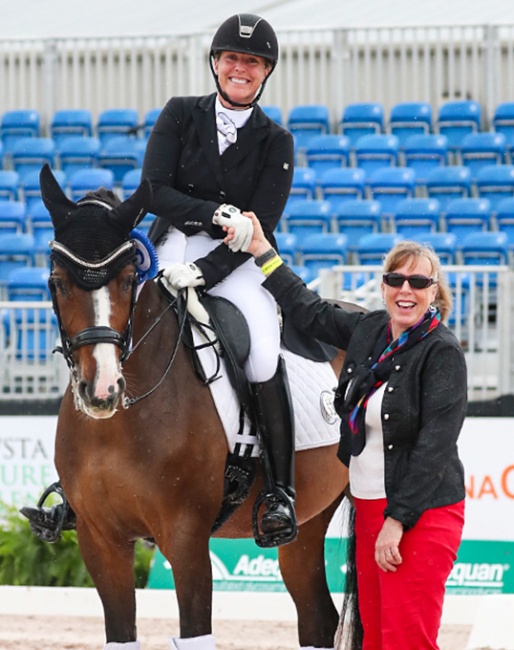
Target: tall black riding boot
x=273, y=412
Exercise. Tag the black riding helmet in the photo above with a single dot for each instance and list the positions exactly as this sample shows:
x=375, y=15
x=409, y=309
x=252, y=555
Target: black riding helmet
x=248, y=34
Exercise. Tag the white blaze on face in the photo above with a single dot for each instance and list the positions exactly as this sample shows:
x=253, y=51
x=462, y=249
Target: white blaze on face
x=107, y=367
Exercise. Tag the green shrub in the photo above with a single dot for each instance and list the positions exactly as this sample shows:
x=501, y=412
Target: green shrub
x=26, y=560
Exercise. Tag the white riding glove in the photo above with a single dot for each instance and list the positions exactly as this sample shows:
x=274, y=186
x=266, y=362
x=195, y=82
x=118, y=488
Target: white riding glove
x=230, y=216
x=180, y=276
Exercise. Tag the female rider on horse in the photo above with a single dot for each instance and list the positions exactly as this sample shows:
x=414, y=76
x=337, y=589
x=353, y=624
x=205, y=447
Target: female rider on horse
x=209, y=158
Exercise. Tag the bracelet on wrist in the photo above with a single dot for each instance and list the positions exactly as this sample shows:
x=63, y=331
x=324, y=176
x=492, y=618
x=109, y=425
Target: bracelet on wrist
x=273, y=264
x=266, y=257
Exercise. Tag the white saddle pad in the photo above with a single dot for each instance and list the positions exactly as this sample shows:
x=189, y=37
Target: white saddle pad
x=312, y=388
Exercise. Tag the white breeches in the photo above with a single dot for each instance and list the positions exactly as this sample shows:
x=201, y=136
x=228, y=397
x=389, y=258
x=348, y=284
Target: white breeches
x=243, y=288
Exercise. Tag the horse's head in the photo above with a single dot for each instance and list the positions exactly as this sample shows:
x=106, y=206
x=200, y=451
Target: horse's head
x=93, y=281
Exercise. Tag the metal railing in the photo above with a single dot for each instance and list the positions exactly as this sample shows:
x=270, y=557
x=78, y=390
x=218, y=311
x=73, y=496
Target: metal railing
x=334, y=67
x=28, y=367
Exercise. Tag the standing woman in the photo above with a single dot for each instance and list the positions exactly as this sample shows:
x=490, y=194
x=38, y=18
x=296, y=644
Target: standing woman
x=402, y=398
x=208, y=159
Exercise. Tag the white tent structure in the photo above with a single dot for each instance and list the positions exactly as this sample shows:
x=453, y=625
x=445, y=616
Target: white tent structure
x=62, y=18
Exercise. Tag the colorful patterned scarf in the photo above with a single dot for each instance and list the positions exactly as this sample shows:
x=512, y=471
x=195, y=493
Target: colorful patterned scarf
x=367, y=379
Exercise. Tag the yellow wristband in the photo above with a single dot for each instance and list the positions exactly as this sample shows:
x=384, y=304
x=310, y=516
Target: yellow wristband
x=273, y=264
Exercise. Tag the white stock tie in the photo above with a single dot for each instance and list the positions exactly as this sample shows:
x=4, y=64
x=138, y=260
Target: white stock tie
x=227, y=129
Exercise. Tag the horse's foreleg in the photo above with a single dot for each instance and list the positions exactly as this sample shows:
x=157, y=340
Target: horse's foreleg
x=187, y=550
x=111, y=566
x=302, y=565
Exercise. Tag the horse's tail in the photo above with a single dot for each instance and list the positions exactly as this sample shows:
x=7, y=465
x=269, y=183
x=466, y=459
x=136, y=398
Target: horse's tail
x=349, y=632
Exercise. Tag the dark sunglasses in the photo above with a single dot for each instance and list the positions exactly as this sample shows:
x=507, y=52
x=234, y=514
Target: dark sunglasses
x=415, y=281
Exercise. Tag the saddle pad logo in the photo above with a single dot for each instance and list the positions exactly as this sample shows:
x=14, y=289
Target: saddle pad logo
x=328, y=411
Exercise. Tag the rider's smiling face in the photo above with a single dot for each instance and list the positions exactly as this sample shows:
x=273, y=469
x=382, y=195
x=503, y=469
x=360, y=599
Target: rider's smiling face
x=240, y=75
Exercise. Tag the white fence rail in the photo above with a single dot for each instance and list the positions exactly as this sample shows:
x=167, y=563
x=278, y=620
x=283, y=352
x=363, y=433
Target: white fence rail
x=322, y=66
x=482, y=319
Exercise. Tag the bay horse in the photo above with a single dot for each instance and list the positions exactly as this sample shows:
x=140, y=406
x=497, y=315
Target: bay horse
x=155, y=468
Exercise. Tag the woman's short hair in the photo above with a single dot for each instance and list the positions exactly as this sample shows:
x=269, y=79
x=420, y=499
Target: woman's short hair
x=408, y=249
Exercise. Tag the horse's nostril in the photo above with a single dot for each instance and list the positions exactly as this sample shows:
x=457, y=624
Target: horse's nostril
x=122, y=384
x=110, y=390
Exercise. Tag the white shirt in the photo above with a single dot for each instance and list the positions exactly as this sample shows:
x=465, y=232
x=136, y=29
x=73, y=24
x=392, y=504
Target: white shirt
x=367, y=469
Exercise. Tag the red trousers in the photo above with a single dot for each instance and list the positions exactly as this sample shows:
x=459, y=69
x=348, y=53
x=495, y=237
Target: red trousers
x=402, y=610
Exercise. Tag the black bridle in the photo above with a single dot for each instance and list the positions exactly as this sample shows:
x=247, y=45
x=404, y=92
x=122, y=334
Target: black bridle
x=96, y=333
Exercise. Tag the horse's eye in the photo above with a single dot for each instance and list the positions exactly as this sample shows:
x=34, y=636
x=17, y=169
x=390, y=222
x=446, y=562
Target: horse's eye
x=128, y=282
x=59, y=285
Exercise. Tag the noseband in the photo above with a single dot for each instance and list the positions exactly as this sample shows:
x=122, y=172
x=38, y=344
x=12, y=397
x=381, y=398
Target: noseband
x=97, y=333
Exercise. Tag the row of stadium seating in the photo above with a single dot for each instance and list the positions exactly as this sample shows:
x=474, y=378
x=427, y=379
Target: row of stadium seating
x=454, y=120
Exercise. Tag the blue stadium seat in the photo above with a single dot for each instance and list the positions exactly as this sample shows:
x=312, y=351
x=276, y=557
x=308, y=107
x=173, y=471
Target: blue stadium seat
x=274, y=113
x=456, y=119
x=121, y=154
x=416, y=216
x=9, y=185
x=287, y=243
x=344, y=183
x=480, y=149
x=425, y=152
x=371, y=152
x=357, y=217
x=306, y=120
x=130, y=182
x=303, y=185
x=503, y=122
x=504, y=220
x=29, y=283
x=19, y=124
x=30, y=189
x=326, y=152
x=465, y=216
x=362, y=119
x=389, y=185
x=70, y=122
x=307, y=217
x=372, y=249
x=78, y=152
x=485, y=248
x=410, y=118
x=89, y=180
x=147, y=221
x=16, y=252
x=448, y=183
x=443, y=243
x=41, y=227
x=495, y=182
x=323, y=251
x=30, y=154
x=12, y=217
x=115, y=122
x=150, y=119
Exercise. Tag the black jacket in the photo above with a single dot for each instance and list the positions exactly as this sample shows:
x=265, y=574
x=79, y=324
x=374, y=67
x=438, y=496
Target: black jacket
x=423, y=407
x=190, y=179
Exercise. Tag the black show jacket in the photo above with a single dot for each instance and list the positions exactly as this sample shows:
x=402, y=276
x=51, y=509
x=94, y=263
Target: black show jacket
x=190, y=179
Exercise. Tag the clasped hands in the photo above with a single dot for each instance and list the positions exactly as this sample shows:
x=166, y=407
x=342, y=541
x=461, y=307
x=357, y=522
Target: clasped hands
x=228, y=216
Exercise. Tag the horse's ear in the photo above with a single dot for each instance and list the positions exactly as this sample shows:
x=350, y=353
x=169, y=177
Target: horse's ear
x=132, y=210
x=57, y=203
